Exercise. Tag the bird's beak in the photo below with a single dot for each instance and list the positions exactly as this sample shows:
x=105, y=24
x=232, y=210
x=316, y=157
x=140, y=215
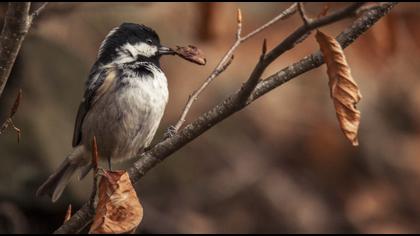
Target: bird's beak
x=166, y=51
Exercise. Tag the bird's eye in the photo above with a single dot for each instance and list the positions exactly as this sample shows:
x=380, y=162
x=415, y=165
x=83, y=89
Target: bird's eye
x=149, y=41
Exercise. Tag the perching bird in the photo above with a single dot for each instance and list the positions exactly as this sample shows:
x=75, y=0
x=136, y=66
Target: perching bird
x=124, y=101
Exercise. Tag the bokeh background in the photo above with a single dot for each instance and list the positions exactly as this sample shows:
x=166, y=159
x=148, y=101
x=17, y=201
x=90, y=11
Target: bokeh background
x=280, y=165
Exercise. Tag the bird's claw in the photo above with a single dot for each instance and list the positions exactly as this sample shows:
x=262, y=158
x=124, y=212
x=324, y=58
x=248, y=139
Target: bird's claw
x=170, y=132
x=146, y=149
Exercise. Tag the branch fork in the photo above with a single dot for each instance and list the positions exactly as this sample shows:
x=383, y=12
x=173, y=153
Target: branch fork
x=226, y=61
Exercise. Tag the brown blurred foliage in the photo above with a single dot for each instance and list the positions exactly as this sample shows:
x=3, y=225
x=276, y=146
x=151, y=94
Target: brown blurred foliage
x=281, y=165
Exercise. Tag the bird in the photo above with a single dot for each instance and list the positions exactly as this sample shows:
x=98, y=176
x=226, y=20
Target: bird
x=125, y=97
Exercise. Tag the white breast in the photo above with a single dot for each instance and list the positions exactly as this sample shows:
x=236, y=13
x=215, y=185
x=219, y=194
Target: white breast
x=152, y=90
x=143, y=101
x=126, y=119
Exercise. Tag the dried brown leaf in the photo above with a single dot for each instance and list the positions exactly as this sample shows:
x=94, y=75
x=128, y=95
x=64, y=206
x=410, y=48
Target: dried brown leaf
x=191, y=53
x=119, y=210
x=343, y=89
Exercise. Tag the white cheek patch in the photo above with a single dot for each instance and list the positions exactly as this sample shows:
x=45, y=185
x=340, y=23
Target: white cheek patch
x=128, y=51
x=126, y=54
x=122, y=59
x=145, y=49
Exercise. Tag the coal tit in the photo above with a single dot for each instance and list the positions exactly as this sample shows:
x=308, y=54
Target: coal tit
x=124, y=101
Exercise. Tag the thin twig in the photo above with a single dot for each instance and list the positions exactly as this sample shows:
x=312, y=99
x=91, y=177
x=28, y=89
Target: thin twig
x=5, y=125
x=282, y=16
x=290, y=42
x=226, y=60
x=306, y=21
x=38, y=11
x=239, y=23
x=9, y=121
x=302, y=13
x=225, y=109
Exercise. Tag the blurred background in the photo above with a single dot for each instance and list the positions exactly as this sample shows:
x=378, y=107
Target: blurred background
x=280, y=165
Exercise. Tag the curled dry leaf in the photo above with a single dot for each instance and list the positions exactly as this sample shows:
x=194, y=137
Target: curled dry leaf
x=191, y=53
x=119, y=209
x=344, y=90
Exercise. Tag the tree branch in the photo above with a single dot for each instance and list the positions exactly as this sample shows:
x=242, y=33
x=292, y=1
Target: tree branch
x=15, y=27
x=282, y=16
x=162, y=150
x=227, y=59
x=17, y=23
x=287, y=44
x=302, y=13
x=38, y=11
x=348, y=36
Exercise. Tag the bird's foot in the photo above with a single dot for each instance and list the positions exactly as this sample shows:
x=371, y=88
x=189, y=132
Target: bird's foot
x=170, y=132
x=146, y=149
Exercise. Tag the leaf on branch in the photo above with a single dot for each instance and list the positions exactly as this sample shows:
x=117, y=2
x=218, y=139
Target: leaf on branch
x=343, y=89
x=191, y=53
x=119, y=210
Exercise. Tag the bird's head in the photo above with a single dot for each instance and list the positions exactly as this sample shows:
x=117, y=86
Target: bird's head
x=131, y=42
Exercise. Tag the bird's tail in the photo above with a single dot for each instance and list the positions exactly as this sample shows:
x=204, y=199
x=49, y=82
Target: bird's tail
x=57, y=182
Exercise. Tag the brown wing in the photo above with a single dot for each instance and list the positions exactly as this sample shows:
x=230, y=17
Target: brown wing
x=96, y=87
x=81, y=113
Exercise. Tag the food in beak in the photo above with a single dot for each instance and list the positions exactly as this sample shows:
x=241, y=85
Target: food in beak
x=191, y=53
